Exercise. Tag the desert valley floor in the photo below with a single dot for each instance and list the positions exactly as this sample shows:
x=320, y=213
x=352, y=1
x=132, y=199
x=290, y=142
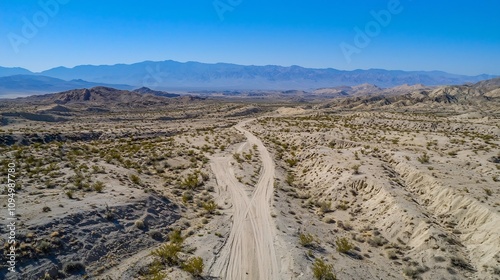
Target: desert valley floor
x=185, y=188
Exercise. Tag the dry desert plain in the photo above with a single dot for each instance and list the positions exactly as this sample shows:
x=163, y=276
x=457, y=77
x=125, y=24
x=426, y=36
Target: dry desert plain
x=145, y=187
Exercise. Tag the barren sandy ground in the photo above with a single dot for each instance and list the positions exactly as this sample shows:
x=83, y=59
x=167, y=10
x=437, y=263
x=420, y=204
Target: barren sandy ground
x=416, y=194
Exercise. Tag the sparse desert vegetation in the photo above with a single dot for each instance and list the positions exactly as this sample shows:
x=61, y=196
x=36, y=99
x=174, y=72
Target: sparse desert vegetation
x=352, y=188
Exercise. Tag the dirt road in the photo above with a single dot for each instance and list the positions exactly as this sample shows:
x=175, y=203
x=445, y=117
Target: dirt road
x=249, y=252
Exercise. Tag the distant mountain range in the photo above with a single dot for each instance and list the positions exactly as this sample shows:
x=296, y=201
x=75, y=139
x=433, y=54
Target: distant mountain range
x=172, y=75
x=23, y=85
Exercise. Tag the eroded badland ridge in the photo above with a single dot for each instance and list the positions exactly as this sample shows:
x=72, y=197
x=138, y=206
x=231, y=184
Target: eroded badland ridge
x=357, y=182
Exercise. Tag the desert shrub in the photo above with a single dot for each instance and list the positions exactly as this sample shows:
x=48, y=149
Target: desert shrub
x=329, y=220
x=391, y=254
x=95, y=169
x=355, y=169
x=323, y=271
x=175, y=236
x=290, y=179
x=155, y=271
x=168, y=253
x=343, y=245
x=134, y=179
x=98, y=186
x=46, y=209
x=345, y=225
x=108, y=213
x=210, y=206
x=292, y=162
x=237, y=157
x=140, y=224
x=325, y=207
x=488, y=192
x=377, y=241
x=414, y=272
x=155, y=234
x=159, y=275
x=343, y=205
x=194, y=266
x=248, y=156
x=44, y=246
x=187, y=196
x=306, y=239
x=424, y=158
x=69, y=194
x=191, y=182
x=74, y=268
x=356, y=155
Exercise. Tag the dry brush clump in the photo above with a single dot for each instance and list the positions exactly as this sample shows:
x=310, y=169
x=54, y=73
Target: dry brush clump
x=343, y=245
x=424, y=158
x=98, y=186
x=210, y=206
x=322, y=270
x=307, y=239
x=194, y=266
x=168, y=254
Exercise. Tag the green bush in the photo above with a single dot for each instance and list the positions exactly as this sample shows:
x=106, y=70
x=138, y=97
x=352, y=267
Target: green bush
x=140, y=224
x=292, y=162
x=44, y=246
x=343, y=245
x=135, y=179
x=194, y=266
x=306, y=239
x=237, y=157
x=323, y=271
x=176, y=237
x=191, y=182
x=98, y=186
x=210, y=206
x=168, y=253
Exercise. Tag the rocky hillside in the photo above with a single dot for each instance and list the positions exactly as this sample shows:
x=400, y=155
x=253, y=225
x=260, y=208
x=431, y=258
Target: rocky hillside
x=485, y=93
x=145, y=90
x=96, y=96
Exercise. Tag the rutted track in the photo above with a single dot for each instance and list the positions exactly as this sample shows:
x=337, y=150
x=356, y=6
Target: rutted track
x=249, y=252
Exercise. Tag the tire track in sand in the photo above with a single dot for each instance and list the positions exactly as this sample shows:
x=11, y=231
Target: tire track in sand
x=249, y=251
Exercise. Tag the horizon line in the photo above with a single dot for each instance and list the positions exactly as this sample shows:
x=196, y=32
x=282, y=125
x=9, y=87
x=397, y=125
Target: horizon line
x=247, y=65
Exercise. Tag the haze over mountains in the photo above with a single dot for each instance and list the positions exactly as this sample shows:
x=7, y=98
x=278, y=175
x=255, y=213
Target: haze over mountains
x=172, y=75
x=35, y=84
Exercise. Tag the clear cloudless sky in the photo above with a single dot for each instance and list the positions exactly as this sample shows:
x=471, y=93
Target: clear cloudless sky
x=461, y=37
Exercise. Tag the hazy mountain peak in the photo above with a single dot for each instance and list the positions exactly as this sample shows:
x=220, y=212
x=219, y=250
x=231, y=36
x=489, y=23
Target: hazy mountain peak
x=193, y=75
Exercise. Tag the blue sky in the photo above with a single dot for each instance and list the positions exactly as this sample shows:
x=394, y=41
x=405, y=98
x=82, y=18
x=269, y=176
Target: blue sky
x=460, y=37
